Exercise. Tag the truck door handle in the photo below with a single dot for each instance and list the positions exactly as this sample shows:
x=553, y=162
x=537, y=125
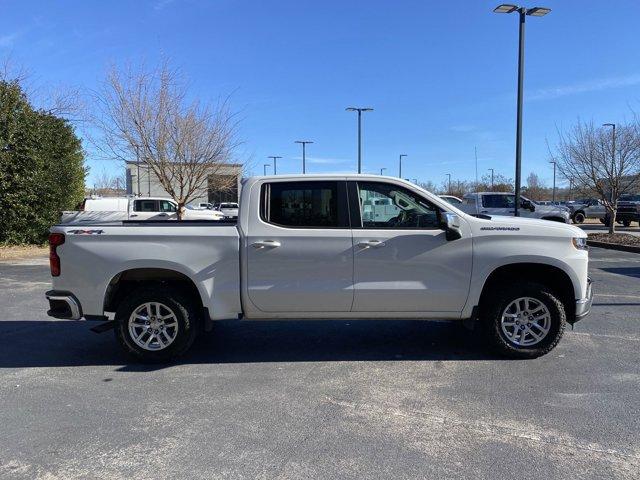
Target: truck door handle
x=162, y=214
x=133, y=215
x=371, y=243
x=266, y=244
x=484, y=211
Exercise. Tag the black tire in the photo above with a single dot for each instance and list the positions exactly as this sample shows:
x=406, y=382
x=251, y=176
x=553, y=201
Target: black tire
x=605, y=220
x=626, y=223
x=181, y=305
x=496, y=305
x=578, y=217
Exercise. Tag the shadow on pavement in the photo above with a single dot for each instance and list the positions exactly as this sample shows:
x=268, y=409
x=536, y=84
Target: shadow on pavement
x=628, y=271
x=62, y=343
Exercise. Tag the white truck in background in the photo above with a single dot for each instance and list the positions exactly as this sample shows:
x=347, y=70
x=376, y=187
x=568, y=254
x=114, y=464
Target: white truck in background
x=116, y=209
x=503, y=203
x=305, y=247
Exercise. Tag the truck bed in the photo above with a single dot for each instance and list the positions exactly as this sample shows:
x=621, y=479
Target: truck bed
x=206, y=252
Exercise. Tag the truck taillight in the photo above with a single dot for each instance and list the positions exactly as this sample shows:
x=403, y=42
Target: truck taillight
x=55, y=240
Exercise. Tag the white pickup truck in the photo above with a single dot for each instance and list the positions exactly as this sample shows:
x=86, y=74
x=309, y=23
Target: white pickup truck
x=304, y=248
x=116, y=209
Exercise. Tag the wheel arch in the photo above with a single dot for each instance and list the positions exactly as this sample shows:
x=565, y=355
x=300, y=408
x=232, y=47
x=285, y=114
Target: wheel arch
x=132, y=278
x=549, y=275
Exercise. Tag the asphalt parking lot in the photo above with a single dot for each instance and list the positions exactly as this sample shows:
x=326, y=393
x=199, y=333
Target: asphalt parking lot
x=336, y=399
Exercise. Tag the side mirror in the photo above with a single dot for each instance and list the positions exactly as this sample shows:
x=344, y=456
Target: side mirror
x=451, y=225
x=528, y=205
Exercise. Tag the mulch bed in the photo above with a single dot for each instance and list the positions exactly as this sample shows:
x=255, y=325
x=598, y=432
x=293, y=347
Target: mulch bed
x=617, y=241
x=618, y=238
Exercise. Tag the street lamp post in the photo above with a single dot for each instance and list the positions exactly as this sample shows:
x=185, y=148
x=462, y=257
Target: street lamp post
x=523, y=12
x=382, y=170
x=491, y=179
x=400, y=165
x=275, y=163
x=264, y=166
x=304, y=153
x=138, y=169
x=553, y=195
x=449, y=187
x=359, y=110
x=613, y=152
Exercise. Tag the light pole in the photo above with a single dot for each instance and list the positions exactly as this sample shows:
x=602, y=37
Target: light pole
x=138, y=168
x=523, y=12
x=553, y=195
x=359, y=110
x=265, y=165
x=304, y=153
x=491, y=179
x=400, y=166
x=613, y=152
x=382, y=170
x=449, y=187
x=275, y=163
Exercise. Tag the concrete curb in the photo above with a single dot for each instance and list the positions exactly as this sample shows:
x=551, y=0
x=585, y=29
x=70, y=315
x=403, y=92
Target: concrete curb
x=614, y=246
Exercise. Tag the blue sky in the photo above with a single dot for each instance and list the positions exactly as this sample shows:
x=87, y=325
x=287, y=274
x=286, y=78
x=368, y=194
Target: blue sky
x=440, y=75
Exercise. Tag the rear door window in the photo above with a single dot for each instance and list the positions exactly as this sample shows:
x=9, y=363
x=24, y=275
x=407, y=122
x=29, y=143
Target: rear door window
x=498, y=201
x=145, y=206
x=320, y=204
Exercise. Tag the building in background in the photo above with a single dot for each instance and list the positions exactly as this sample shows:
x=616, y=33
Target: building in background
x=149, y=186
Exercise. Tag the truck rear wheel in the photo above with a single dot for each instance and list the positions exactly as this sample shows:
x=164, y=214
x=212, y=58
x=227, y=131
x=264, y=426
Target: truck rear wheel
x=156, y=324
x=524, y=321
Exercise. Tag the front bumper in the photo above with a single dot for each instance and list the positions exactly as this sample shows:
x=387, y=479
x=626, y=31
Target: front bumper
x=583, y=305
x=63, y=305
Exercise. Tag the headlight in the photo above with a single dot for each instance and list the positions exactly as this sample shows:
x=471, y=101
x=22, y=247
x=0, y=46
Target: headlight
x=580, y=243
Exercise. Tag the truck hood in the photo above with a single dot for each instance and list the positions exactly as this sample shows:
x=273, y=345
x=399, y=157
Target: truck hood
x=521, y=225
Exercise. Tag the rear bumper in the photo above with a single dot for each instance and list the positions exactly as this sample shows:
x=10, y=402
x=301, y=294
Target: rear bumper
x=63, y=305
x=583, y=305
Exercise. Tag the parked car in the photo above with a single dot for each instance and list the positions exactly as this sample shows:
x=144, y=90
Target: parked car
x=503, y=203
x=453, y=200
x=587, y=208
x=114, y=209
x=302, y=249
x=228, y=209
x=628, y=210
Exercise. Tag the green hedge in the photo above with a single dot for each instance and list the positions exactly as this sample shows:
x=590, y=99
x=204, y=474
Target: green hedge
x=41, y=168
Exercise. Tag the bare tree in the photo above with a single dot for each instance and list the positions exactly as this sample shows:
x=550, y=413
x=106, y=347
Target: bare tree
x=536, y=188
x=145, y=114
x=596, y=161
x=106, y=183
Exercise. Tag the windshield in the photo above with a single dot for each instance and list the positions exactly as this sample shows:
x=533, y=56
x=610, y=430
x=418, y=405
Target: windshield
x=630, y=198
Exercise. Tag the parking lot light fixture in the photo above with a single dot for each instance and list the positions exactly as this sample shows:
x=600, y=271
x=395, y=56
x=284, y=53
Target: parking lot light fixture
x=400, y=165
x=304, y=153
x=359, y=110
x=382, y=170
x=449, y=187
x=522, y=13
x=275, y=163
x=265, y=167
x=505, y=8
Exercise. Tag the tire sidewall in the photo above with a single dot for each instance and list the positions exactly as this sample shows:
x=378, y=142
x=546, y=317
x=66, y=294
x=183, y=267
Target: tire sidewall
x=182, y=308
x=500, y=303
x=579, y=217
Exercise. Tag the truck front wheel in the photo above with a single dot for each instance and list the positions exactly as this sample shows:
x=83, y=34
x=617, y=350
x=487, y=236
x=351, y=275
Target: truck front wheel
x=156, y=324
x=578, y=217
x=524, y=321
